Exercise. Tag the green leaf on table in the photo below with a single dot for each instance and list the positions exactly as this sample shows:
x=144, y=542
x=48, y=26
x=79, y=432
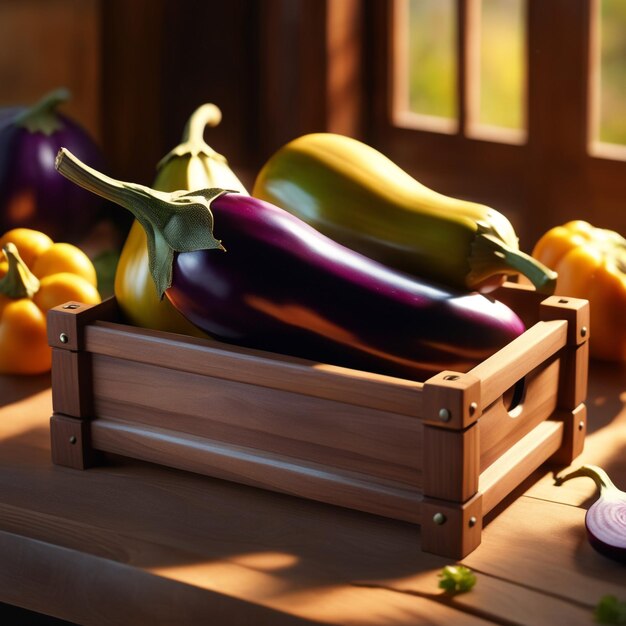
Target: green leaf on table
x=456, y=579
x=610, y=611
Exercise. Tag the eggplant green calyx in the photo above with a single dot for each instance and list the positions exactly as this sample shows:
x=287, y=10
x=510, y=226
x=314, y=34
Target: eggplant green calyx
x=490, y=253
x=599, y=476
x=192, y=142
x=42, y=116
x=19, y=281
x=173, y=222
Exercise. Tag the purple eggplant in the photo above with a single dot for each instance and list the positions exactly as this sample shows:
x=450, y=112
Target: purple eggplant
x=282, y=286
x=32, y=194
x=605, y=519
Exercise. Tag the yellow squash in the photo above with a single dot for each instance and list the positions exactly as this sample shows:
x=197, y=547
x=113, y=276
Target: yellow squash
x=591, y=264
x=357, y=196
x=192, y=165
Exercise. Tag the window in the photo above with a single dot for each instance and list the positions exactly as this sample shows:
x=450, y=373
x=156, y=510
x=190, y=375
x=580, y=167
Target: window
x=608, y=88
x=496, y=86
x=437, y=74
x=519, y=104
x=425, y=65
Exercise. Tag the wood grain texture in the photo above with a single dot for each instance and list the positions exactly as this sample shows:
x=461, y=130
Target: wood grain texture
x=452, y=529
x=321, y=432
x=605, y=442
x=518, y=462
x=575, y=356
x=47, y=44
x=546, y=549
x=212, y=358
x=519, y=357
x=498, y=600
x=255, y=467
x=452, y=399
x=152, y=529
x=574, y=432
x=66, y=323
x=56, y=573
x=503, y=424
x=346, y=70
x=324, y=431
x=574, y=310
x=70, y=442
x=145, y=597
x=72, y=383
x=451, y=463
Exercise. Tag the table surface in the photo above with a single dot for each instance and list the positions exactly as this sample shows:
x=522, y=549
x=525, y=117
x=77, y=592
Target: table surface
x=134, y=543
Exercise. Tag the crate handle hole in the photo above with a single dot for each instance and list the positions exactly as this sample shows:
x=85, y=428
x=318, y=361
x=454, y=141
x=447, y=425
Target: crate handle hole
x=514, y=397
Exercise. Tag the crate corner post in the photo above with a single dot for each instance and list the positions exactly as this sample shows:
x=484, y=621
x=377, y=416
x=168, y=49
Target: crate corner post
x=70, y=443
x=452, y=507
x=451, y=529
x=571, y=408
x=72, y=384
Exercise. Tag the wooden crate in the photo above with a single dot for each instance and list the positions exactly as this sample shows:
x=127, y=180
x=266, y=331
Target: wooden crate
x=441, y=454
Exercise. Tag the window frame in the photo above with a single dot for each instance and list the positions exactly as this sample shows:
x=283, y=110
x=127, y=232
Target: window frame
x=551, y=178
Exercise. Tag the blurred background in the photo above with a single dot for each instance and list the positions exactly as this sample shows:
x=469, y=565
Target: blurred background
x=519, y=104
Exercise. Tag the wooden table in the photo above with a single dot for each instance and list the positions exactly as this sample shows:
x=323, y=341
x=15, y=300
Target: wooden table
x=132, y=543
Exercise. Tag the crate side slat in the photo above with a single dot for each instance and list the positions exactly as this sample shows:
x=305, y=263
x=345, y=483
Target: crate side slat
x=259, y=469
x=519, y=462
x=271, y=442
x=501, y=371
x=500, y=430
x=238, y=412
x=276, y=371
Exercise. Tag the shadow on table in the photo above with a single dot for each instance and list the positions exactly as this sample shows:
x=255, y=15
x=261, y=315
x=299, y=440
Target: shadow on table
x=606, y=395
x=17, y=616
x=16, y=388
x=168, y=520
x=196, y=529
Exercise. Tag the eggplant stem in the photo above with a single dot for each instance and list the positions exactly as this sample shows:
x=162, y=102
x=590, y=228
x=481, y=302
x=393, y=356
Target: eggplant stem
x=192, y=142
x=19, y=281
x=599, y=476
x=41, y=117
x=206, y=115
x=489, y=253
x=173, y=222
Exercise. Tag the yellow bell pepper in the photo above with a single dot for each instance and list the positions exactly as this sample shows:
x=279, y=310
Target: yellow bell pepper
x=58, y=272
x=591, y=264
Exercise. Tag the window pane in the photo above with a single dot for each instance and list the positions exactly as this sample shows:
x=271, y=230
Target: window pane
x=502, y=64
x=612, y=127
x=431, y=66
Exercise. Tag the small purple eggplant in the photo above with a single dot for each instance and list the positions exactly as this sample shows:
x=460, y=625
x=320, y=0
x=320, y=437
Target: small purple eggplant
x=605, y=519
x=32, y=194
x=283, y=287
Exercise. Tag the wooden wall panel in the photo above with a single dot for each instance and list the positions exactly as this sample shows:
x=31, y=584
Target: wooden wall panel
x=45, y=44
x=292, y=98
x=163, y=59
x=131, y=78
